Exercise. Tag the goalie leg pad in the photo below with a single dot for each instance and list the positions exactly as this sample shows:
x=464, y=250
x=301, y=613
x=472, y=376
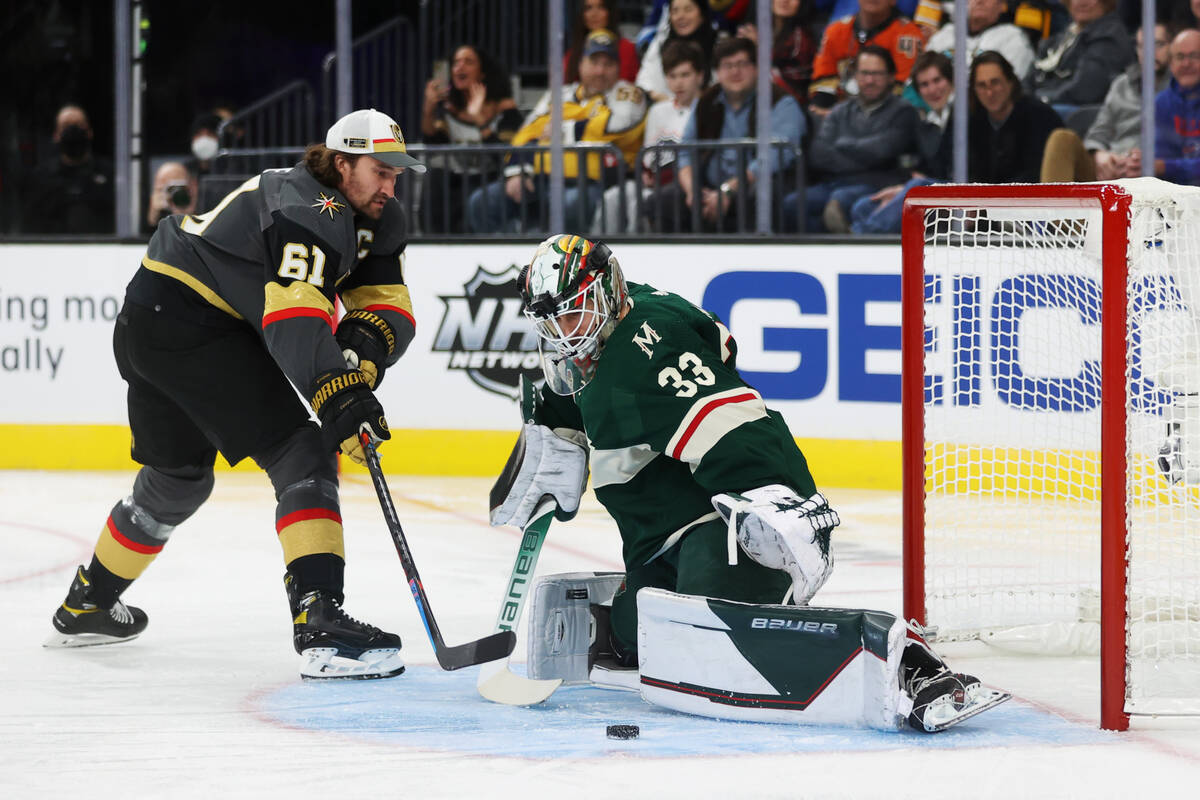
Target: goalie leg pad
x=1179, y=454
x=771, y=663
x=562, y=624
x=781, y=530
x=544, y=462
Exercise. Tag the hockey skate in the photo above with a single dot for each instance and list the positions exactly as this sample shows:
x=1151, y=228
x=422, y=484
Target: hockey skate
x=333, y=644
x=941, y=698
x=609, y=665
x=78, y=622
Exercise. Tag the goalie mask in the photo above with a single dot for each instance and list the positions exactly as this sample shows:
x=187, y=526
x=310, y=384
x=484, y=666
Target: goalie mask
x=573, y=292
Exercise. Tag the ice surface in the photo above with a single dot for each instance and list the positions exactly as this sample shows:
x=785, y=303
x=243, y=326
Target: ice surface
x=208, y=703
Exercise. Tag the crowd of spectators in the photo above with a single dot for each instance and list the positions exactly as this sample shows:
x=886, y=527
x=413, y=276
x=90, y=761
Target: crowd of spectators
x=861, y=111
x=863, y=90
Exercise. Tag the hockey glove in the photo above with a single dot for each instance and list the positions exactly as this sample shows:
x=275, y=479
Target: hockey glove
x=544, y=462
x=344, y=403
x=366, y=340
x=781, y=530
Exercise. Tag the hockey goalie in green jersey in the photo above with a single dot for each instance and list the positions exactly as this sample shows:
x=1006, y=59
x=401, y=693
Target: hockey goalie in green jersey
x=725, y=537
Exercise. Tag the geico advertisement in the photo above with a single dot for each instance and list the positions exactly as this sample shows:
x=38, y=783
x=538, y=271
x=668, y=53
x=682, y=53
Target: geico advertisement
x=1006, y=344
x=817, y=329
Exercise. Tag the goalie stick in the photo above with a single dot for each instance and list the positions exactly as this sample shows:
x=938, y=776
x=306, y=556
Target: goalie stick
x=489, y=648
x=496, y=682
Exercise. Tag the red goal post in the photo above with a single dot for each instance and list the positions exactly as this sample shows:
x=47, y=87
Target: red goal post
x=1051, y=374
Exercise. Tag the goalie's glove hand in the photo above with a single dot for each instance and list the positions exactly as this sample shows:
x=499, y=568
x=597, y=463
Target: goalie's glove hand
x=345, y=404
x=781, y=530
x=367, y=341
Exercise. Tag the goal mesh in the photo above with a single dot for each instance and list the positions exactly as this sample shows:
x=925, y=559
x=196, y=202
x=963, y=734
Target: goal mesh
x=1013, y=293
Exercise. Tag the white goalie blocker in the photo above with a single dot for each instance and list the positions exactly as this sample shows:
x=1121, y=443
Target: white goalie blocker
x=768, y=663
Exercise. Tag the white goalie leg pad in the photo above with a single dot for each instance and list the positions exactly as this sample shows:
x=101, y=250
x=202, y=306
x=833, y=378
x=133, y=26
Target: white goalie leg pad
x=323, y=663
x=771, y=663
x=562, y=628
x=1179, y=454
x=781, y=530
x=544, y=462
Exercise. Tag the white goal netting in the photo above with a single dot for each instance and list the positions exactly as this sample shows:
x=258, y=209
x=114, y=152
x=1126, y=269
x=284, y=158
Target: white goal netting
x=1013, y=311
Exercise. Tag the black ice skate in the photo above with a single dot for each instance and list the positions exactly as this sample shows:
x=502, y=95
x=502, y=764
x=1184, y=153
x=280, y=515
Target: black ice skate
x=78, y=622
x=335, y=645
x=941, y=698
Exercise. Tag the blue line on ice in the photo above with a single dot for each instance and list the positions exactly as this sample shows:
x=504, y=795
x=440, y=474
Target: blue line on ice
x=429, y=709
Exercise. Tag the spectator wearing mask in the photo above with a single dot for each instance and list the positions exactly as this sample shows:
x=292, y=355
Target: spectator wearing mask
x=880, y=213
x=857, y=150
x=987, y=30
x=174, y=192
x=1007, y=130
x=1106, y=152
x=1177, y=116
x=73, y=192
x=205, y=144
x=716, y=178
x=877, y=22
x=1076, y=66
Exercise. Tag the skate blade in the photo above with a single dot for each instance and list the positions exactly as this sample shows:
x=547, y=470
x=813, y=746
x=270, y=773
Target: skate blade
x=627, y=680
x=61, y=640
x=323, y=664
x=984, y=699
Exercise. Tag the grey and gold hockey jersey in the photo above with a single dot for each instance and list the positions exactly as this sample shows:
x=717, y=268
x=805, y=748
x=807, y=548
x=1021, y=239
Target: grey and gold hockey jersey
x=671, y=423
x=276, y=253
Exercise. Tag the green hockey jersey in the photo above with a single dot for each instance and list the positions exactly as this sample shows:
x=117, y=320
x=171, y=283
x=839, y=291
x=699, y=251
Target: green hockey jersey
x=276, y=253
x=671, y=423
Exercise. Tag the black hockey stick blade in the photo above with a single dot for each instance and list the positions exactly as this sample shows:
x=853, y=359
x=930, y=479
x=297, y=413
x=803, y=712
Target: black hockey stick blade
x=489, y=648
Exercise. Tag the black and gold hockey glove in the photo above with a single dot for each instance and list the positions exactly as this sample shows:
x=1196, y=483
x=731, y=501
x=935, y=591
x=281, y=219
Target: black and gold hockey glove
x=366, y=340
x=345, y=404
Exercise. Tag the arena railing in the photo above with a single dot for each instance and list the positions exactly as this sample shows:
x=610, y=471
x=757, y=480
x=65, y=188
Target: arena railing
x=437, y=203
x=284, y=117
x=455, y=172
x=655, y=159
x=387, y=67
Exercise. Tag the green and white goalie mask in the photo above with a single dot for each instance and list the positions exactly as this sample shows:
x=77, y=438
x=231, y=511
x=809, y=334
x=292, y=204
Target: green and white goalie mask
x=573, y=292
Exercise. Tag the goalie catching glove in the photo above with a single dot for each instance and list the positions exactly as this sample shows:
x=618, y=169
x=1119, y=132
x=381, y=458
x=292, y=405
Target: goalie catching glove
x=544, y=462
x=781, y=530
x=345, y=404
x=367, y=341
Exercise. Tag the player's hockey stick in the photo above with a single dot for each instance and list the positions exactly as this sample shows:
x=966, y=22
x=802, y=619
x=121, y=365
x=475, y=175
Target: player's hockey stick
x=489, y=648
x=496, y=681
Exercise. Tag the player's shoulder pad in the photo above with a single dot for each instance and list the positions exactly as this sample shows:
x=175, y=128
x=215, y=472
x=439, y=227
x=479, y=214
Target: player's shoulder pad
x=299, y=198
x=390, y=230
x=658, y=328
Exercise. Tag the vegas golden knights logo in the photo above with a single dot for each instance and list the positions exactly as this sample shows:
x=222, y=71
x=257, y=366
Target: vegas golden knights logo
x=399, y=137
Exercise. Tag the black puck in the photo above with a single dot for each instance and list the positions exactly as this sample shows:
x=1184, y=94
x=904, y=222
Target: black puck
x=623, y=731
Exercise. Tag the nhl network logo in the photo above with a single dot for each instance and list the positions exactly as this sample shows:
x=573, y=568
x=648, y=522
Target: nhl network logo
x=486, y=334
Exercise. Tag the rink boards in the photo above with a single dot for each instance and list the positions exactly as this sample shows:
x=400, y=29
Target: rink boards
x=817, y=328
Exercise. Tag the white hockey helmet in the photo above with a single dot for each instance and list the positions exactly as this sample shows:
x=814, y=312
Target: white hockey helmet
x=574, y=292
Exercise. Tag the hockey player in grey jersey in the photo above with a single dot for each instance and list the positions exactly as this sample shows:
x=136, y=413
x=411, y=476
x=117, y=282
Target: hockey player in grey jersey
x=720, y=519
x=229, y=310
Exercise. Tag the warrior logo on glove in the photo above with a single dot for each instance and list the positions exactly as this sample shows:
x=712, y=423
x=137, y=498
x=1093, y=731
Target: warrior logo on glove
x=574, y=293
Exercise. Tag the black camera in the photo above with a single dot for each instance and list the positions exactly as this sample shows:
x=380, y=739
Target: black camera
x=179, y=195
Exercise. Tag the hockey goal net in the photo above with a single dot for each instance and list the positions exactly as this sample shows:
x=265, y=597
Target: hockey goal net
x=1052, y=428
